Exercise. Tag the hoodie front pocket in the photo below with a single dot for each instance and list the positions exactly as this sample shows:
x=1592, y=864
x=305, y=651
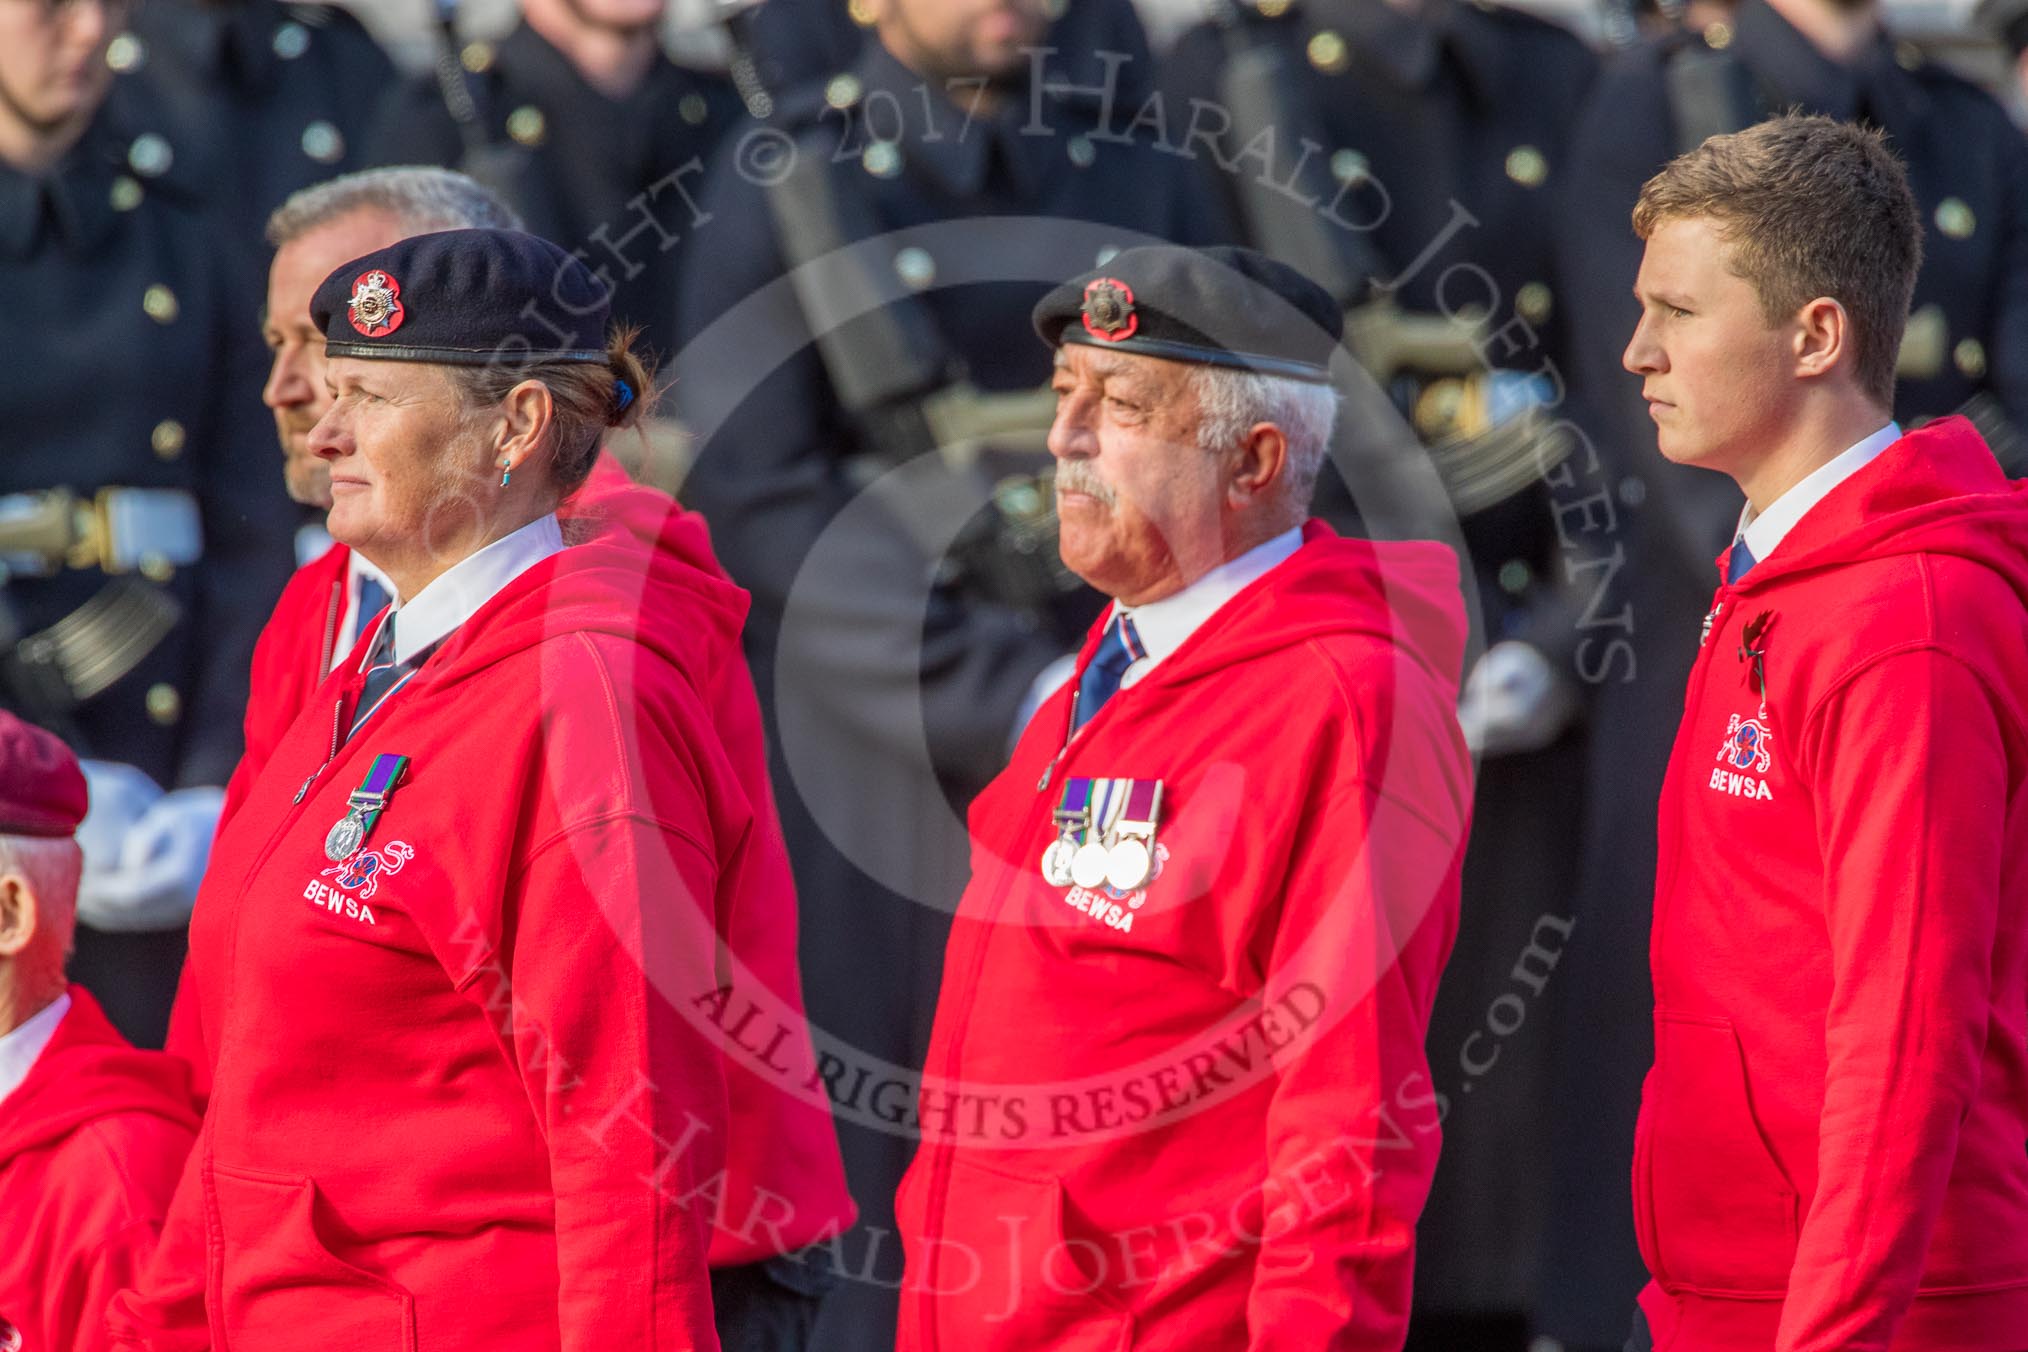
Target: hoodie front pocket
x=281, y=1286
x=1722, y=1211
x=1011, y=1274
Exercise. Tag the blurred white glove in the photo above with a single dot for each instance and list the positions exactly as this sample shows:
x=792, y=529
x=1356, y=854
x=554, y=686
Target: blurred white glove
x=144, y=850
x=1514, y=701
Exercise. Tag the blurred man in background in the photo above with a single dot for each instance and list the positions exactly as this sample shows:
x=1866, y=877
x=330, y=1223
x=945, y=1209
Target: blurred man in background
x=141, y=540
x=928, y=610
x=579, y=120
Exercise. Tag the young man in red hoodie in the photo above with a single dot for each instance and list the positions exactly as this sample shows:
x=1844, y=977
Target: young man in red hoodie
x=1176, y=1093
x=1830, y=1150
x=93, y=1133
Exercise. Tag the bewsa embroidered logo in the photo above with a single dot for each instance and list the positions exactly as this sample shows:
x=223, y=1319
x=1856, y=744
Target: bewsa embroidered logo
x=362, y=870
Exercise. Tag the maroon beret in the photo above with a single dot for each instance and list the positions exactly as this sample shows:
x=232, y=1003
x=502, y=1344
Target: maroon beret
x=42, y=790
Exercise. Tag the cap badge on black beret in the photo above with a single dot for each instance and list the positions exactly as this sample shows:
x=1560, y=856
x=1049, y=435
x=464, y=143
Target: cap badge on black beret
x=375, y=308
x=1109, y=310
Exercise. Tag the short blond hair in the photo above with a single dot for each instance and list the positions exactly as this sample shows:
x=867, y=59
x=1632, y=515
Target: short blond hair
x=1810, y=207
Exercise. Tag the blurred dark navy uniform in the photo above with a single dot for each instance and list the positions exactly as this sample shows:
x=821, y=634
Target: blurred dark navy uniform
x=1436, y=142
x=263, y=97
x=893, y=688
x=133, y=364
x=794, y=43
x=1966, y=350
x=616, y=180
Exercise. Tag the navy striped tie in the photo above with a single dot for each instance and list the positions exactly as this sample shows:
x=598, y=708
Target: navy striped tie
x=1738, y=560
x=1117, y=651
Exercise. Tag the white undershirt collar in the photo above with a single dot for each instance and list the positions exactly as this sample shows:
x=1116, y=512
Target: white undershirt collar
x=20, y=1049
x=1163, y=626
x=457, y=594
x=1765, y=530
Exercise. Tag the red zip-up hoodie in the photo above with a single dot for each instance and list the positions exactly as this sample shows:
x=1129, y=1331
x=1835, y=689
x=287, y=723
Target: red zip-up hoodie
x=91, y=1146
x=1198, y=1114
x=1831, y=1141
x=468, y=1089
x=785, y=1183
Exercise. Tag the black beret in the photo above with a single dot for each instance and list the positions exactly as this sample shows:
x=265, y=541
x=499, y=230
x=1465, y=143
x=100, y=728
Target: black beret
x=466, y=298
x=1221, y=307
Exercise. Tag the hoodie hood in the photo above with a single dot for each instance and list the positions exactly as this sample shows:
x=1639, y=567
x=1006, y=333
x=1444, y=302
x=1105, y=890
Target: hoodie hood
x=89, y=1072
x=1406, y=592
x=1938, y=490
x=636, y=565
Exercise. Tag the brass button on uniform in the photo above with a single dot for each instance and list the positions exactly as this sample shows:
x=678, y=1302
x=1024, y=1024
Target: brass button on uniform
x=158, y=302
x=1273, y=9
x=126, y=54
x=1349, y=166
x=291, y=41
x=882, y=159
x=1718, y=36
x=165, y=703
x=167, y=438
x=1327, y=52
x=1970, y=356
x=862, y=13
x=150, y=155
x=527, y=125
x=1955, y=218
x=916, y=268
x=125, y=194
x=477, y=57
x=156, y=568
x=1527, y=166
x=842, y=91
x=1082, y=152
x=1533, y=302
x=693, y=109
x=323, y=142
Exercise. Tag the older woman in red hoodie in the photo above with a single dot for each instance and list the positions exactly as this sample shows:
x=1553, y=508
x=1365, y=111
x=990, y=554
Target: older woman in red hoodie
x=463, y=930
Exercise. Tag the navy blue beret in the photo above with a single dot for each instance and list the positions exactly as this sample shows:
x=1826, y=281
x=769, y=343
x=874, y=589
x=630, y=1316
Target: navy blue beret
x=466, y=298
x=1221, y=307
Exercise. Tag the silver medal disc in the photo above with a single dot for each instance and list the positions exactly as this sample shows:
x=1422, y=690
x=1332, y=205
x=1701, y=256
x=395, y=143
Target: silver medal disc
x=1127, y=865
x=345, y=838
x=1088, y=865
x=1056, y=862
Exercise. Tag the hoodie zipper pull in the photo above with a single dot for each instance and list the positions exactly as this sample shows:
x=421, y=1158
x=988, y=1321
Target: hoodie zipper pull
x=1710, y=617
x=1049, y=770
x=337, y=722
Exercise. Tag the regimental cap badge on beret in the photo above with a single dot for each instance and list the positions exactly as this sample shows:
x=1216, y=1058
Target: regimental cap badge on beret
x=1109, y=310
x=375, y=308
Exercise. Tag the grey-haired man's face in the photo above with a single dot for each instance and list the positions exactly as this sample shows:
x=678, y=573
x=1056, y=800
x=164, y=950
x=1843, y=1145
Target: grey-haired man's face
x=295, y=391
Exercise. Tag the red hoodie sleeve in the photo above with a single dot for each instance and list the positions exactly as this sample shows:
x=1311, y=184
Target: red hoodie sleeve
x=161, y=1308
x=629, y=1093
x=1907, y=765
x=84, y=1293
x=1369, y=914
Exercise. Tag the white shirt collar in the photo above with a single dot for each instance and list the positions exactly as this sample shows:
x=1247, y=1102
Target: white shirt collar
x=1164, y=625
x=458, y=593
x=20, y=1048
x=1765, y=530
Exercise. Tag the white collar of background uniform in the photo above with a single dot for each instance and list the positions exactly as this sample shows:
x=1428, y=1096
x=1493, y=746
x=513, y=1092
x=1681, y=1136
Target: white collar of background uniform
x=357, y=565
x=457, y=593
x=20, y=1048
x=1764, y=530
x=1164, y=625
